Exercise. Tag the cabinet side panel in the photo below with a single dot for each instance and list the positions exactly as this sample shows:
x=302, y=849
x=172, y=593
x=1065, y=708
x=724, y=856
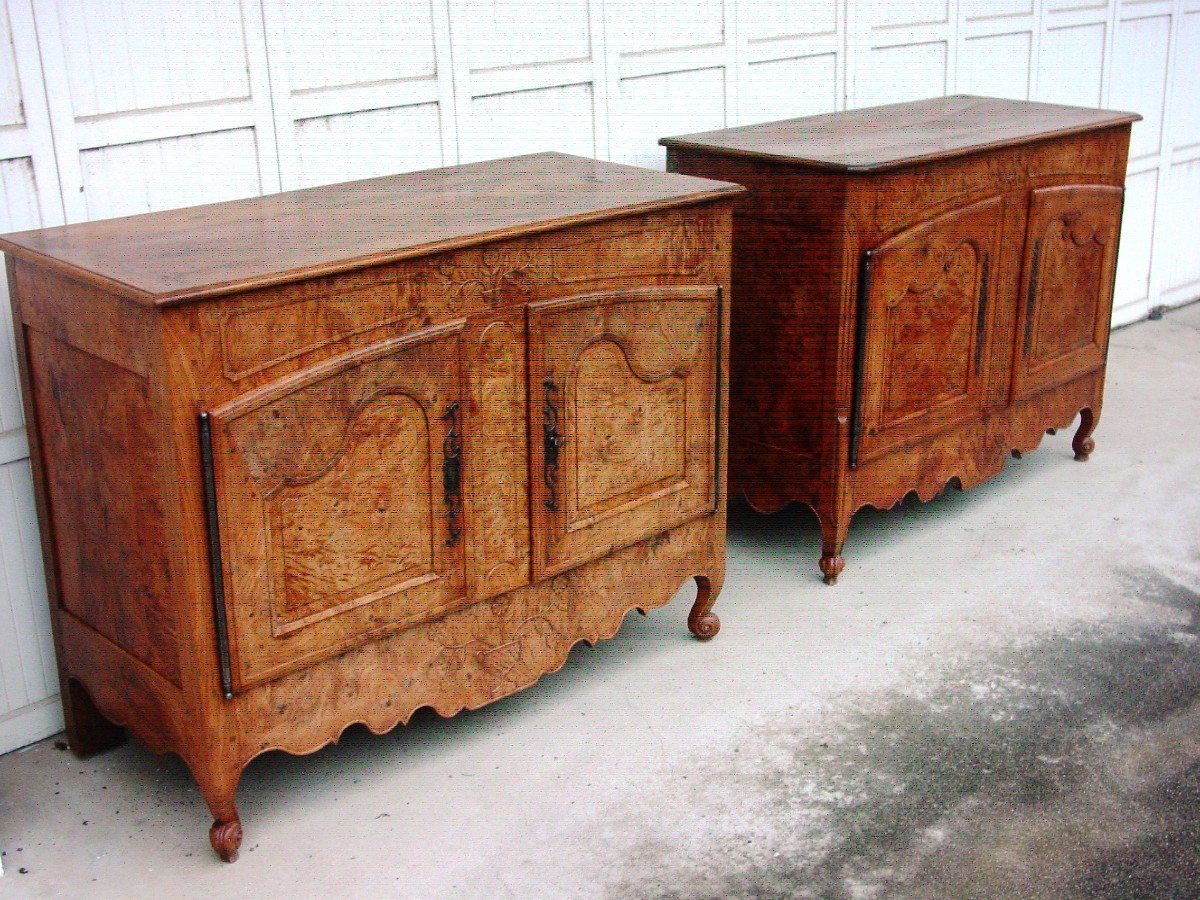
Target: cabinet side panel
x=786, y=324
x=84, y=317
x=108, y=517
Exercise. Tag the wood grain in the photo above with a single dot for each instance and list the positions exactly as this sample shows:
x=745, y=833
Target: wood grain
x=630, y=378
x=114, y=575
x=183, y=255
x=1064, y=322
x=331, y=504
x=363, y=543
x=884, y=265
x=882, y=137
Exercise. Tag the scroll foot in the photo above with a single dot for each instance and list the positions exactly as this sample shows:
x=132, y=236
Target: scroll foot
x=704, y=627
x=1082, y=444
x=702, y=621
x=835, y=525
x=218, y=784
x=831, y=567
x=226, y=838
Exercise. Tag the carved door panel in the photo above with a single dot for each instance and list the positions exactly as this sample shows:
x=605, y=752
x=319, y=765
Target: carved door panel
x=924, y=328
x=335, y=504
x=1067, y=285
x=623, y=391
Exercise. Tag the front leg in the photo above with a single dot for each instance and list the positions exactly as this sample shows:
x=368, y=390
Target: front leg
x=1083, y=445
x=702, y=621
x=218, y=786
x=835, y=526
x=226, y=837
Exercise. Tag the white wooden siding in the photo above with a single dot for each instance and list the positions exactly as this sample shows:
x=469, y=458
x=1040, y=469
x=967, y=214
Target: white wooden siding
x=110, y=107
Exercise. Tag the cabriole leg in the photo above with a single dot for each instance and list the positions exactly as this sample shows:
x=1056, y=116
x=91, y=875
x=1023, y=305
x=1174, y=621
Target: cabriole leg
x=702, y=621
x=219, y=790
x=834, y=528
x=1083, y=445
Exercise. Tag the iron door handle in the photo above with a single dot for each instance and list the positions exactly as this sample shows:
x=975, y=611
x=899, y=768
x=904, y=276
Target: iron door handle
x=981, y=321
x=452, y=473
x=1031, y=295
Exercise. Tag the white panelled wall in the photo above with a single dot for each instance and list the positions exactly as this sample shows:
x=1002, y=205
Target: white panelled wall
x=112, y=107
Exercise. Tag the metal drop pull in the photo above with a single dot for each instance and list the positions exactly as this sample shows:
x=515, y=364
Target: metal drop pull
x=452, y=473
x=1031, y=296
x=982, y=321
x=552, y=443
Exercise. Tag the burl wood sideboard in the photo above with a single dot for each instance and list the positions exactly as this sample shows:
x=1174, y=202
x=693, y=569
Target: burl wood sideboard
x=326, y=457
x=921, y=289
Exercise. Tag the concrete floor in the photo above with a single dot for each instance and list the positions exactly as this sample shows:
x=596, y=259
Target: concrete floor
x=1000, y=698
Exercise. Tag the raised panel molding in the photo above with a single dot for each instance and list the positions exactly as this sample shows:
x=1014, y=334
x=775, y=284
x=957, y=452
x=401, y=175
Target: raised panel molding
x=614, y=376
x=319, y=465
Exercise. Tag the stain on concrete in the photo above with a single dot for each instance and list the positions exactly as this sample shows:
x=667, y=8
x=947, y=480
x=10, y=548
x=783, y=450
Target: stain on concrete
x=1067, y=766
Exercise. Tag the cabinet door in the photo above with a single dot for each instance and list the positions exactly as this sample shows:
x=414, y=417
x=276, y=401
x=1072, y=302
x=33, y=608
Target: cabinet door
x=924, y=326
x=623, y=390
x=337, y=506
x=1067, y=285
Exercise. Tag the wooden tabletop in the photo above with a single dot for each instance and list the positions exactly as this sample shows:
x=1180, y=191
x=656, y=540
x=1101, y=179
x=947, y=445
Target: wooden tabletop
x=171, y=257
x=884, y=137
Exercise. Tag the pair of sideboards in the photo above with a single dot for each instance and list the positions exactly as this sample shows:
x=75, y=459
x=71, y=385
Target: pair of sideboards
x=326, y=457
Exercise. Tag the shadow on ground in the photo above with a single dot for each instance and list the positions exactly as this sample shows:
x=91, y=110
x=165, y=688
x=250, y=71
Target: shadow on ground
x=1066, y=767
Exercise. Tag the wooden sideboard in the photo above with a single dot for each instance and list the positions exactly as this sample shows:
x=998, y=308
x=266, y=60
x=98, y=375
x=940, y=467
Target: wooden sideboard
x=921, y=289
x=326, y=457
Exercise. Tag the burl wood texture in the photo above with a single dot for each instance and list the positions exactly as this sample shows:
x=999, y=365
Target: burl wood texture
x=331, y=503
x=627, y=382
x=877, y=138
x=114, y=575
x=272, y=512
x=205, y=251
x=921, y=289
x=1070, y=263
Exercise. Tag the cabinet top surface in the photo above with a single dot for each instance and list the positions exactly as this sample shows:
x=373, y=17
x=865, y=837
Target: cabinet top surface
x=171, y=257
x=884, y=137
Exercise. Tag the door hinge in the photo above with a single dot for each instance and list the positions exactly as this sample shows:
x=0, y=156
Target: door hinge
x=860, y=353
x=216, y=566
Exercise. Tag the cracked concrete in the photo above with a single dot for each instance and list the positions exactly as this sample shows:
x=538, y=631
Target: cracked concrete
x=1000, y=698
